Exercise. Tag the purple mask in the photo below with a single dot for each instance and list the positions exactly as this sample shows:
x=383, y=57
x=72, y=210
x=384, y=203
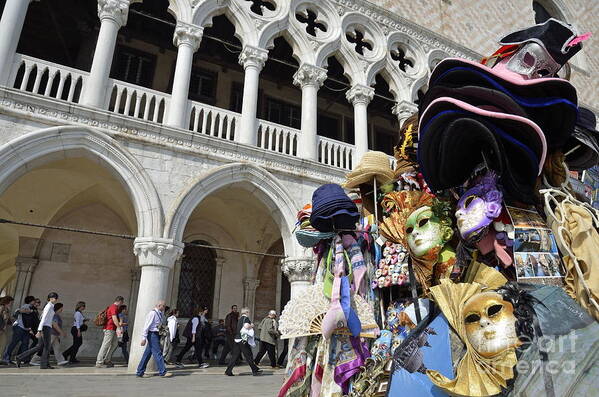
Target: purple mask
x=479, y=206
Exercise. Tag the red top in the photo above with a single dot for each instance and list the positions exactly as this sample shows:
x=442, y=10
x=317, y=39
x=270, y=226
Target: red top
x=113, y=310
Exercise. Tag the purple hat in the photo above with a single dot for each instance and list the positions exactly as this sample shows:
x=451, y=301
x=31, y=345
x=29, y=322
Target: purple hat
x=332, y=209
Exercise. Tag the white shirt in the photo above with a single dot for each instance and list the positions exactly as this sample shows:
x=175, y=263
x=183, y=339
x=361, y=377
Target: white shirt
x=172, y=326
x=153, y=320
x=194, y=325
x=78, y=321
x=47, y=316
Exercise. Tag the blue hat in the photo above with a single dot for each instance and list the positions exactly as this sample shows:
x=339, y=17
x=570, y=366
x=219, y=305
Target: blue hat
x=332, y=209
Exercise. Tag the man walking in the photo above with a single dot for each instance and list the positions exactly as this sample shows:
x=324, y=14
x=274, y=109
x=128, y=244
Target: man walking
x=193, y=333
x=21, y=329
x=219, y=337
x=269, y=333
x=242, y=343
x=110, y=341
x=230, y=329
x=44, y=331
x=151, y=339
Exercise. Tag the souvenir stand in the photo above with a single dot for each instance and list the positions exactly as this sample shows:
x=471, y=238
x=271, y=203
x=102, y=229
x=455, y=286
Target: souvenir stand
x=470, y=269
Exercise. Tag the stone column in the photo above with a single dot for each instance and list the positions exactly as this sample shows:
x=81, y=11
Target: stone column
x=156, y=258
x=249, y=294
x=11, y=26
x=252, y=59
x=25, y=268
x=403, y=110
x=218, y=277
x=299, y=272
x=187, y=39
x=310, y=79
x=113, y=15
x=135, y=277
x=360, y=96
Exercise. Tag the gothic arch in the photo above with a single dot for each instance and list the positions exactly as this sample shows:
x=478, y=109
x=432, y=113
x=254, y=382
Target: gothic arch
x=251, y=177
x=29, y=151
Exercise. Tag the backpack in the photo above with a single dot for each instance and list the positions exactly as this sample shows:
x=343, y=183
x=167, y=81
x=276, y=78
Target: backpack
x=101, y=319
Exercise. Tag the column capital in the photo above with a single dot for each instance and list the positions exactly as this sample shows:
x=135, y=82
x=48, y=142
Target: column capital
x=298, y=269
x=403, y=110
x=309, y=75
x=220, y=261
x=116, y=10
x=360, y=94
x=26, y=264
x=253, y=56
x=250, y=284
x=156, y=251
x=186, y=34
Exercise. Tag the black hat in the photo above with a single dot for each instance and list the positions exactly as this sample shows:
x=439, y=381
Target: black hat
x=555, y=36
x=550, y=103
x=582, y=150
x=454, y=135
x=332, y=209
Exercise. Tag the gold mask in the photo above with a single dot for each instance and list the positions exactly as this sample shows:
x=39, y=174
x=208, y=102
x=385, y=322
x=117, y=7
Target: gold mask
x=490, y=324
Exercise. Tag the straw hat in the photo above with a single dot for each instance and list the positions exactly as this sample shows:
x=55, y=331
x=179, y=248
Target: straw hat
x=373, y=165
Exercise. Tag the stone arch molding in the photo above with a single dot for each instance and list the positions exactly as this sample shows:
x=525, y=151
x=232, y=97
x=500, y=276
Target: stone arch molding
x=261, y=183
x=32, y=150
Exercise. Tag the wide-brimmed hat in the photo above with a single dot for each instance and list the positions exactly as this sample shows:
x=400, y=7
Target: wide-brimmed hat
x=332, y=209
x=582, y=150
x=551, y=103
x=309, y=238
x=372, y=165
x=454, y=136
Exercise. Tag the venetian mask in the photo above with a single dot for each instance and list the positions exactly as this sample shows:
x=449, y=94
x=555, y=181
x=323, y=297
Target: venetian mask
x=425, y=231
x=490, y=324
x=532, y=61
x=478, y=207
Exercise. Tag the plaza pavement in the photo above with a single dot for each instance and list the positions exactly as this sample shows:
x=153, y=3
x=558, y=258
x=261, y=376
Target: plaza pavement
x=84, y=380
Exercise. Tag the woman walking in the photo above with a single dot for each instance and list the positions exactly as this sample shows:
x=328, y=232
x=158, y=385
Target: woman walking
x=172, y=338
x=57, y=333
x=77, y=332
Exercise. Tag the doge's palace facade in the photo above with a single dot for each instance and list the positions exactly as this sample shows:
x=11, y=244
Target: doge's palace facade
x=209, y=121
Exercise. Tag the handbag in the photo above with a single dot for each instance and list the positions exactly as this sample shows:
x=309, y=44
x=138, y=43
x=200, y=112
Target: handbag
x=329, y=277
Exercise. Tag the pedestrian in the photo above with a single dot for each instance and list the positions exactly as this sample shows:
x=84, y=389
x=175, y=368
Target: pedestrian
x=207, y=338
x=21, y=330
x=77, y=330
x=112, y=324
x=194, y=338
x=35, y=321
x=173, y=335
x=218, y=337
x=165, y=337
x=269, y=334
x=44, y=334
x=243, y=340
x=151, y=339
x=230, y=329
x=124, y=339
x=57, y=333
x=5, y=319
x=283, y=355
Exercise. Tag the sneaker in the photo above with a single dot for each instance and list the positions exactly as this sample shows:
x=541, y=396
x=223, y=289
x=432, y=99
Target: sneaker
x=229, y=373
x=257, y=373
x=100, y=366
x=167, y=375
x=109, y=364
x=74, y=361
x=37, y=364
x=204, y=365
x=65, y=362
x=144, y=376
x=179, y=365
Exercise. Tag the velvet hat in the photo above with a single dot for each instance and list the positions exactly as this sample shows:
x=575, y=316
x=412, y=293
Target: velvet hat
x=582, y=150
x=454, y=136
x=551, y=103
x=332, y=209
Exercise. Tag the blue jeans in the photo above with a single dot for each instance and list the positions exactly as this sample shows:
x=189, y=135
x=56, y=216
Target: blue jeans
x=153, y=349
x=18, y=335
